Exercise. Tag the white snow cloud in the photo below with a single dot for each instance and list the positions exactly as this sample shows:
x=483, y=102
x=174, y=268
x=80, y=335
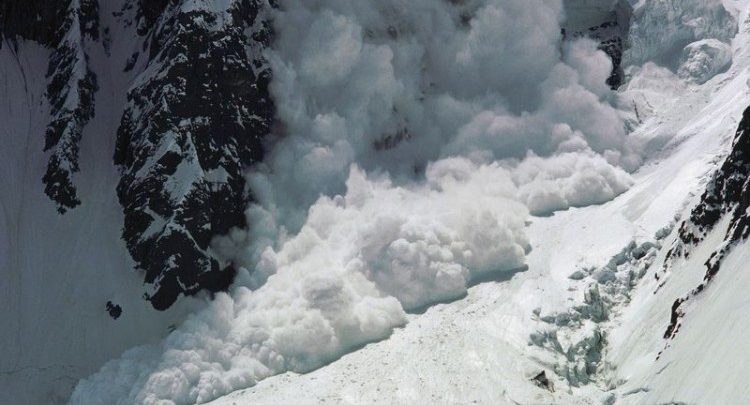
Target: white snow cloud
x=345, y=279
x=444, y=78
x=704, y=59
x=569, y=179
x=418, y=134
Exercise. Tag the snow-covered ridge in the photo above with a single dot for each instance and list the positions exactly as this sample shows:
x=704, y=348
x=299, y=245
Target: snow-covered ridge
x=724, y=203
x=64, y=27
x=70, y=93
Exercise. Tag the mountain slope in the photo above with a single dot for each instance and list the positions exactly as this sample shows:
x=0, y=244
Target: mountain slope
x=72, y=293
x=196, y=114
x=136, y=132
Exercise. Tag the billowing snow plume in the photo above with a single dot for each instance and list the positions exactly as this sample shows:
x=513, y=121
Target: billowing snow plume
x=416, y=137
x=345, y=279
x=393, y=85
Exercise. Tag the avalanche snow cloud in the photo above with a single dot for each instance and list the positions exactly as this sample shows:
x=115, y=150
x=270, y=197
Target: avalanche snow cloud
x=416, y=138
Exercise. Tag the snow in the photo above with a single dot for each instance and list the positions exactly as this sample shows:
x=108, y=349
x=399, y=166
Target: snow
x=327, y=283
x=60, y=271
x=477, y=349
x=661, y=29
x=704, y=59
x=705, y=363
x=436, y=211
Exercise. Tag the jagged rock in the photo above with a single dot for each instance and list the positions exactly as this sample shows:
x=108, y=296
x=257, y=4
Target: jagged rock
x=70, y=92
x=64, y=27
x=542, y=381
x=727, y=193
x=196, y=115
x=194, y=120
x=16, y=17
x=113, y=310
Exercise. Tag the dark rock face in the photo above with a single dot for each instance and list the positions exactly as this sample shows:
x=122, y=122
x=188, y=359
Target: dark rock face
x=70, y=92
x=541, y=381
x=64, y=27
x=194, y=121
x=35, y=20
x=113, y=310
x=196, y=114
x=727, y=194
x=611, y=34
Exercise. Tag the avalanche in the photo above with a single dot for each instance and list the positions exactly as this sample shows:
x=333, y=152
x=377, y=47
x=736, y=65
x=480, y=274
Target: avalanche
x=589, y=311
x=442, y=105
x=414, y=138
x=480, y=201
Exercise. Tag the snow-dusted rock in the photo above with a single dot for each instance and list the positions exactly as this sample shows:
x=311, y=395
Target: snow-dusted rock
x=195, y=119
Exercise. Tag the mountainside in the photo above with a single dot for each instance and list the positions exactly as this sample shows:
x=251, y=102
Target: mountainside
x=197, y=111
x=140, y=151
x=270, y=201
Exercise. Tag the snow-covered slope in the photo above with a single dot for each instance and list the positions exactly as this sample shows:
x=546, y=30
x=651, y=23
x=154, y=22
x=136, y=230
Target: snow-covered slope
x=681, y=340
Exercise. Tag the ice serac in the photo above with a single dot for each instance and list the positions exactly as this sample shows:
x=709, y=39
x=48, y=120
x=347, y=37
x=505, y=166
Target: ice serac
x=661, y=29
x=195, y=117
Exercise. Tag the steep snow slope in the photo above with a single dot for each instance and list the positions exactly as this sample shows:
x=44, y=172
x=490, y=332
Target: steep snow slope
x=73, y=75
x=60, y=271
x=480, y=349
x=681, y=340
